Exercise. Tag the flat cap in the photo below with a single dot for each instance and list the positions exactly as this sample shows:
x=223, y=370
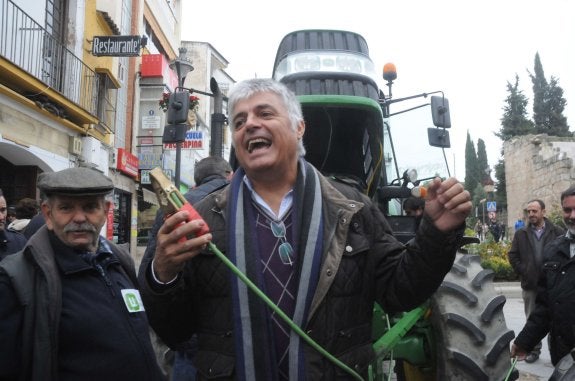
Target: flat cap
x=78, y=181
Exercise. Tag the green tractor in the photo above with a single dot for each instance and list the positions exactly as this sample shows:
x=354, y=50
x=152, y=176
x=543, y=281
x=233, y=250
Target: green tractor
x=460, y=333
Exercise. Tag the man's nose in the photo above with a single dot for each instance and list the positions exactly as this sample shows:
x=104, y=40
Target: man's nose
x=79, y=214
x=252, y=120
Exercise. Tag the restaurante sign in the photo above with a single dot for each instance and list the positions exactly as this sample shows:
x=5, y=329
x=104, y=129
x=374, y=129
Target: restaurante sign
x=116, y=46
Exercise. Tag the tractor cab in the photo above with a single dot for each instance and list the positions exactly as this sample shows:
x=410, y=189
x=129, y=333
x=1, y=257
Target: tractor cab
x=348, y=134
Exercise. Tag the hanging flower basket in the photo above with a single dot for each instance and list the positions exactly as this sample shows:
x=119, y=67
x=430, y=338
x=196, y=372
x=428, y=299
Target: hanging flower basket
x=165, y=101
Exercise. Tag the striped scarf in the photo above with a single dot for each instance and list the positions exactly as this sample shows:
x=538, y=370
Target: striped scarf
x=256, y=358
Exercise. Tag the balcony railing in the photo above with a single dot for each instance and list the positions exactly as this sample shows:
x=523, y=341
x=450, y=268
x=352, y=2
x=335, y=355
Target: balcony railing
x=29, y=46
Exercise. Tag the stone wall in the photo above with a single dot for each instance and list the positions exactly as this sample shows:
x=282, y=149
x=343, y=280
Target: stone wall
x=537, y=166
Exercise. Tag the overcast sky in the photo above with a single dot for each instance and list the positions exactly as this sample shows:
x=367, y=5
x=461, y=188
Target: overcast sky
x=469, y=50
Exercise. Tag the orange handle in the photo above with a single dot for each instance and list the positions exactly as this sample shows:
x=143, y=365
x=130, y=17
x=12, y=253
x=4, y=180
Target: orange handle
x=194, y=215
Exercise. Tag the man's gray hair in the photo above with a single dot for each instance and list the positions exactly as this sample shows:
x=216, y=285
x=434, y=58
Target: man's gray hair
x=248, y=88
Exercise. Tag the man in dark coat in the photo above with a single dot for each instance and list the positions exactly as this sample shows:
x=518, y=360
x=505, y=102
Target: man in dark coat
x=10, y=241
x=526, y=256
x=210, y=174
x=70, y=306
x=554, y=311
x=322, y=252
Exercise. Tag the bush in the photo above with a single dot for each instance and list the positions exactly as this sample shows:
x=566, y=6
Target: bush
x=494, y=256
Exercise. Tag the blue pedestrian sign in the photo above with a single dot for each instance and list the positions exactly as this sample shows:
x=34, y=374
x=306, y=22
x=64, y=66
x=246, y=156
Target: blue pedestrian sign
x=491, y=206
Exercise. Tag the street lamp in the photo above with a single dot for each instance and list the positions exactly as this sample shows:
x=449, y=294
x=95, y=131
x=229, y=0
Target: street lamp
x=178, y=130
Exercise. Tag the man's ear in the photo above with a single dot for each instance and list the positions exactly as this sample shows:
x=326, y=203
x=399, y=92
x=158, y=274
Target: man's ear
x=300, y=130
x=47, y=213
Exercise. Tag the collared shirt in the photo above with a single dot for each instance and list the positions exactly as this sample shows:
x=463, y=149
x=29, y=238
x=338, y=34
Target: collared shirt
x=538, y=231
x=285, y=205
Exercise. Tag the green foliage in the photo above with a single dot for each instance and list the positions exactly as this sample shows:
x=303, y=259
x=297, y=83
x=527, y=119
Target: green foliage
x=482, y=163
x=548, y=103
x=494, y=256
x=554, y=213
x=557, y=122
x=501, y=187
x=472, y=177
x=515, y=121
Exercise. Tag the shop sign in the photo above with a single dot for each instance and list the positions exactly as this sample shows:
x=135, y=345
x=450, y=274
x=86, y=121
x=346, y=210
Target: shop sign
x=194, y=140
x=149, y=160
x=151, y=122
x=127, y=163
x=116, y=46
x=145, y=175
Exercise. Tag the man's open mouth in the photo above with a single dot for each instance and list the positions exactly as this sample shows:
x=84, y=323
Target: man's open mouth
x=257, y=144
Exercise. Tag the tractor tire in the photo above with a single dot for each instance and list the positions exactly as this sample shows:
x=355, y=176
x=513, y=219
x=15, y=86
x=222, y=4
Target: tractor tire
x=471, y=336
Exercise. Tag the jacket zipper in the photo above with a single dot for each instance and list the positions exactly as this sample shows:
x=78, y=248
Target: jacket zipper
x=105, y=277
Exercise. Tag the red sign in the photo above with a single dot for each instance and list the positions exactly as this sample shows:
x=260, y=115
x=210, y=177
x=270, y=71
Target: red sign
x=110, y=223
x=127, y=163
x=194, y=140
x=153, y=65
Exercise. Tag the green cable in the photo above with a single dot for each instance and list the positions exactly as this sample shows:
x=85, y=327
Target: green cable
x=513, y=362
x=281, y=314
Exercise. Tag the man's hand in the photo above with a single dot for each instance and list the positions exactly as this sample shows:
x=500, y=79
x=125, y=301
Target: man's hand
x=518, y=352
x=171, y=255
x=447, y=203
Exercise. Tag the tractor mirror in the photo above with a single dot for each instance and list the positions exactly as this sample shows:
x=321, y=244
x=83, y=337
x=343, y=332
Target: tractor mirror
x=440, y=112
x=438, y=137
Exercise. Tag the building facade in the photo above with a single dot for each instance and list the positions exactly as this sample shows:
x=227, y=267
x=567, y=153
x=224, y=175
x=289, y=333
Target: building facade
x=158, y=79
x=68, y=90
x=537, y=167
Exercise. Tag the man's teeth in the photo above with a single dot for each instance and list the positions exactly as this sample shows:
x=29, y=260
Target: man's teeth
x=253, y=144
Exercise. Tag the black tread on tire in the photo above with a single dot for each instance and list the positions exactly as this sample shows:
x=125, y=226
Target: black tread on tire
x=472, y=338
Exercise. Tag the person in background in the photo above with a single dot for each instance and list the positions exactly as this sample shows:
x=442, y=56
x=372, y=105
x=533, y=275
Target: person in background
x=526, y=257
x=35, y=223
x=519, y=224
x=554, y=310
x=495, y=228
x=70, y=306
x=321, y=250
x=10, y=215
x=210, y=174
x=26, y=208
x=10, y=240
x=479, y=230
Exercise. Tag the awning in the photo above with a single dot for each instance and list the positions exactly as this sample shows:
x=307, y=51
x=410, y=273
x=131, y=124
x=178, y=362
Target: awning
x=149, y=197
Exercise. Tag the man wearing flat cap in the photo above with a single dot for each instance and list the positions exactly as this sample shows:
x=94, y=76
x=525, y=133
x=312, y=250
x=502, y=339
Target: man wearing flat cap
x=70, y=306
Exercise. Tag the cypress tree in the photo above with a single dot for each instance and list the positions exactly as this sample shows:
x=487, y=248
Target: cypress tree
x=471, y=166
x=548, y=103
x=514, y=121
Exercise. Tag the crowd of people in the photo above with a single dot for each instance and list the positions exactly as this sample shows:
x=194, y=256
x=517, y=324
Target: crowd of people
x=74, y=306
